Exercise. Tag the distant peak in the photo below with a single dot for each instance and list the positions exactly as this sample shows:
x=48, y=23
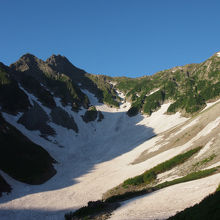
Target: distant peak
x=28, y=56
x=28, y=59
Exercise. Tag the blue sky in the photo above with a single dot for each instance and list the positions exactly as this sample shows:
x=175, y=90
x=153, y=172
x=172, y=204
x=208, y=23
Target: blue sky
x=114, y=37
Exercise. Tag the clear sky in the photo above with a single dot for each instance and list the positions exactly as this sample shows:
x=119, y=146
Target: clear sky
x=113, y=37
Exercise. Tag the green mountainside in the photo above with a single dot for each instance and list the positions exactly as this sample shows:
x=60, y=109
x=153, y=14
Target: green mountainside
x=189, y=87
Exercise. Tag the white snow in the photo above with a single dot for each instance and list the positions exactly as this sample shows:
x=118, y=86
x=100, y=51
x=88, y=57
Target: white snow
x=213, y=165
x=212, y=125
x=208, y=105
x=205, y=148
x=153, y=91
x=188, y=125
x=166, y=202
x=91, y=162
x=160, y=121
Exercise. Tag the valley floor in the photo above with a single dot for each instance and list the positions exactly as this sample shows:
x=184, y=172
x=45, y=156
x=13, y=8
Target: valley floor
x=98, y=159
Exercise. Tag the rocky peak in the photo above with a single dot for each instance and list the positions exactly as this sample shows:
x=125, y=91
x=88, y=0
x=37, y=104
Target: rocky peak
x=27, y=61
x=61, y=64
x=57, y=59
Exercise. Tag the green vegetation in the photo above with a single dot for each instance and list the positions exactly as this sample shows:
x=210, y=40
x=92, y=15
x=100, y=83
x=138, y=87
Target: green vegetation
x=4, y=78
x=189, y=87
x=153, y=102
x=142, y=191
x=191, y=103
x=93, y=210
x=108, y=94
x=204, y=161
x=192, y=176
x=211, y=91
x=63, y=87
x=151, y=175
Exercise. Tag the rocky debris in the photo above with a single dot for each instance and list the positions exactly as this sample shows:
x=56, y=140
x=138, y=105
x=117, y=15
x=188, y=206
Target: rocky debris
x=38, y=90
x=61, y=117
x=92, y=114
x=36, y=119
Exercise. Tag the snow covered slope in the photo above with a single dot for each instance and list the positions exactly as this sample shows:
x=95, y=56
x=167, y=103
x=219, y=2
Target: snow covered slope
x=90, y=162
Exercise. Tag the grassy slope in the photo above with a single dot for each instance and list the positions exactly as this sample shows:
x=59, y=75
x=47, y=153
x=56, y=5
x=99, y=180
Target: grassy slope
x=115, y=196
x=134, y=192
x=96, y=212
x=189, y=87
x=151, y=175
x=108, y=93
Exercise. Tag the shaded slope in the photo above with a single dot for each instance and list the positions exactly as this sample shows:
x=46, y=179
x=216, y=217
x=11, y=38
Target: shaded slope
x=21, y=158
x=12, y=98
x=36, y=119
x=29, y=66
x=209, y=208
x=4, y=186
x=63, y=79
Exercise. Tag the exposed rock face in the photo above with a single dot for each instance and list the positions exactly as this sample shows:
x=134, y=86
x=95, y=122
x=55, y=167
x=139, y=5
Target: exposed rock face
x=22, y=159
x=61, y=117
x=92, y=114
x=36, y=119
x=61, y=64
x=38, y=90
x=51, y=75
x=12, y=98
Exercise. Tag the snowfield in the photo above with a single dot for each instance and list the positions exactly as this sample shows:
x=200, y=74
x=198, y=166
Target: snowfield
x=97, y=159
x=166, y=202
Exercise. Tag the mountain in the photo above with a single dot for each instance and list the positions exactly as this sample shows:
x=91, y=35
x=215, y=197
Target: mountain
x=190, y=87
x=68, y=137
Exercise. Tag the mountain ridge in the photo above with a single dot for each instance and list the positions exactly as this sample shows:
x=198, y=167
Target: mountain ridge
x=103, y=130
